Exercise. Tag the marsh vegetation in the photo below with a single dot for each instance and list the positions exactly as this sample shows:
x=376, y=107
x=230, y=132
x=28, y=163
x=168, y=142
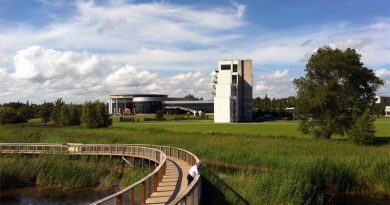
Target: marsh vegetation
x=266, y=163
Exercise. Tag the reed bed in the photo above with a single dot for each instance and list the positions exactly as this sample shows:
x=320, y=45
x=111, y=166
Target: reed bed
x=247, y=166
x=62, y=171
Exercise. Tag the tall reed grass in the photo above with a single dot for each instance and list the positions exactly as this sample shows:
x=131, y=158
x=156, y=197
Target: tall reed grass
x=62, y=171
x=249, y=168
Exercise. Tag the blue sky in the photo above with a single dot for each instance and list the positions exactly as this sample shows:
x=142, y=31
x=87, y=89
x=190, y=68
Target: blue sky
x=86, y=50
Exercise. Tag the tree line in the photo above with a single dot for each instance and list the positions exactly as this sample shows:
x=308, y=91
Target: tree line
x=276, y=107
x=91, y=114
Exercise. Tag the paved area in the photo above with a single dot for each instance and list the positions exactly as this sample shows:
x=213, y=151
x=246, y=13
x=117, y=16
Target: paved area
x=173, y=184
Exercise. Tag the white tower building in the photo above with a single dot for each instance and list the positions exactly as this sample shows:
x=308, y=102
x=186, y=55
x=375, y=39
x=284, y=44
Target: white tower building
x=233, y=91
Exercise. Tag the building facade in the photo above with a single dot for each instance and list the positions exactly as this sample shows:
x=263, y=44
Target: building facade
x=136, y=103
x=151, y=103
x=233, y=91
x=387, y=111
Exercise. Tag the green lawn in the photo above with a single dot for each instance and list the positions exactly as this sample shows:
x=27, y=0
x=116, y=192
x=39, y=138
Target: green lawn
x=256, y=163
x=271, y=128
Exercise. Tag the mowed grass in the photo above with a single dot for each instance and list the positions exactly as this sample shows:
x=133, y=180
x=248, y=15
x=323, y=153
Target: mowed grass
x=256, y=163
x=270, y=128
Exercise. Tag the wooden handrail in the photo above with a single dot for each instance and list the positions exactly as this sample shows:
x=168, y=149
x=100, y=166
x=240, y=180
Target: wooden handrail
x=190, y=196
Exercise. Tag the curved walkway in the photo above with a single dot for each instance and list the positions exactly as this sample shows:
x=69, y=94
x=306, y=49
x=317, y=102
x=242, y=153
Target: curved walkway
x=167, y=184
x=173, y=184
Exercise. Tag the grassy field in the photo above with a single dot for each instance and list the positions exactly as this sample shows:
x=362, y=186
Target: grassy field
x=254, y=163
x=270, y=128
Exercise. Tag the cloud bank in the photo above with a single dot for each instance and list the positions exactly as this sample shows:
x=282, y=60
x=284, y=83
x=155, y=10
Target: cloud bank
x=161, y=47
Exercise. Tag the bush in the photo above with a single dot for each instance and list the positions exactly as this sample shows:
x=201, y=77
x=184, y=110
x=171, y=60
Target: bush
x=70, y=115
x=126, y=119
x=363, y=131
x=95, y=115
x=159, y=115
x=9, y=115
x=57, y=112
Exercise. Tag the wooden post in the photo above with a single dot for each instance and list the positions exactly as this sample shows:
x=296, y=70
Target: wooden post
x=147, y=184
x=118, y=200
x=151, y=187
x=143, y=198
x=155, y=182
x=132, y=196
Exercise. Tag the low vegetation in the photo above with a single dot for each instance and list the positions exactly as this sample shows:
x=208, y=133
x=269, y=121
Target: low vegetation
x=61, y=171
x=92, y=114
x=274, y=163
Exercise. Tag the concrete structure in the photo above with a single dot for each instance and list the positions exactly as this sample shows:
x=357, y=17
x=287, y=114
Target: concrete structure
x=387, y=111
x=382, y=99
x=150, y=103
x=233, y=91
x=137, y=103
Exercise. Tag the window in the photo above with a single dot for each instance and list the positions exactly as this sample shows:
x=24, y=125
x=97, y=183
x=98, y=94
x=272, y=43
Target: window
x=234, y=79
x=225, y=67
x=234, y=67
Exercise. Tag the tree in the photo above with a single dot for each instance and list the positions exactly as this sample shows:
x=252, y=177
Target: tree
x=103, y=118
x=44, y=112
x=334, y=92
x=75, y=114
x=8, y=115
x=95, y=115
x=191, y=97
x=56, y=115
x=65, y=118
x=89, y=115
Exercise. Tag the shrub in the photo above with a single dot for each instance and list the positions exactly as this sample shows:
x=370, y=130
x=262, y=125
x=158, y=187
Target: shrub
x=57, y=111
x=126, y=119
x=363, y=131
x=95, y=115
x=9, y=115
x=159, y=115
x=44, y=111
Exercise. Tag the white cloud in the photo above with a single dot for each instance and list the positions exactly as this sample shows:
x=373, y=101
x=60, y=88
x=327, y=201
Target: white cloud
x=280, y=74
x=131, y=77
x=47, y=74
x=124, y=47
x=356, y=43
x=40, y=64
x=240, y=9
x=383, y=73
x=276, y=85
x=126, y=26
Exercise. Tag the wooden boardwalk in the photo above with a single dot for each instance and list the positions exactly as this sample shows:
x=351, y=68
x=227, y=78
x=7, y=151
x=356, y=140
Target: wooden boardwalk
x=174, y=182
x=169, y=178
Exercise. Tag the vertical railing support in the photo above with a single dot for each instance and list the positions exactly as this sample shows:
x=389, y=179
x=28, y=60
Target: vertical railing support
x=155, y=182
x=143, y=197
x=132, y=196
x=118, y=200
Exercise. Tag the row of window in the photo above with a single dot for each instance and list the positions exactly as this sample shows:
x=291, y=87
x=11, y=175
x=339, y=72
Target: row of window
x=228, y=67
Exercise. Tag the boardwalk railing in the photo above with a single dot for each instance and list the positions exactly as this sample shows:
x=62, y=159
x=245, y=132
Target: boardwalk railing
x=193, y=192
x=136, y=193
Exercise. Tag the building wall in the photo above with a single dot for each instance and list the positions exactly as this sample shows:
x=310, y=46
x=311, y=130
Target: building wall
x=233, y=91
x=151, y=103
x=222, y=112
x=223, y=107
x=204, y=106
x=387, y=111
x=247, y=112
